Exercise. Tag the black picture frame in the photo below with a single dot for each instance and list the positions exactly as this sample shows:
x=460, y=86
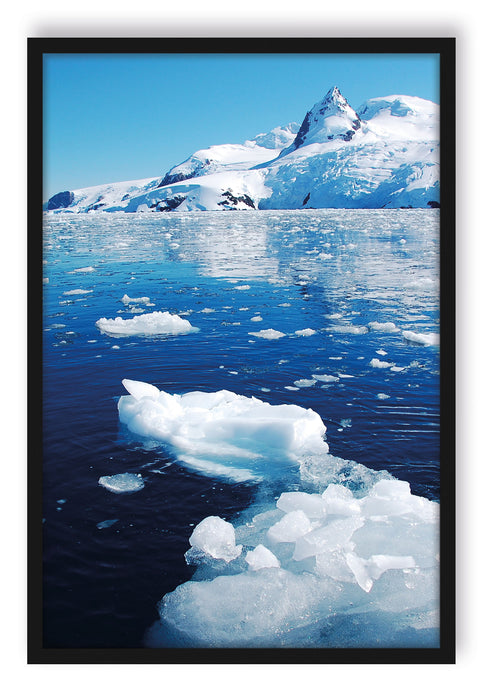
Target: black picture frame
x=445, y=48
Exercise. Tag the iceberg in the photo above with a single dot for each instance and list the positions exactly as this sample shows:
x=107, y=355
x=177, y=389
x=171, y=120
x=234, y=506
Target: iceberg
x=223, y=433
x=155, y=323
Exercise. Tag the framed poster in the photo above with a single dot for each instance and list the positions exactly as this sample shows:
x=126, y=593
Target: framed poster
x=241, y=416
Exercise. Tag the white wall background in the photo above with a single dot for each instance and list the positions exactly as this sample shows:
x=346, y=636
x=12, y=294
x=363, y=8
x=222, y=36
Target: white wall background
x=475, y=254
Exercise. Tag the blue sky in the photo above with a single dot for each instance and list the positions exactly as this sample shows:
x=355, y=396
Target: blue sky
x=115, y=117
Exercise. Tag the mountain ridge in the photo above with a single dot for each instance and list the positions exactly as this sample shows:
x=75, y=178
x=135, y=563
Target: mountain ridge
x=385, y=155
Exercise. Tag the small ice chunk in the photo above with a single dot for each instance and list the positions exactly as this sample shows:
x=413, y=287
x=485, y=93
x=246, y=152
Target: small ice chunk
x=369, y=570
x=325, y=378
x=387, y=327
x=354, y=330
x=155, y=323
x=140, y=390
x=395, y=368
x=310, y=503
x=215, y=537
x=136, y=300
x=305, y=382
x=262, y=558
x=306, y=332
x=106, y=523
x=422, y=338
x=382, y=396
x=72, y=292
x=257, y=318
x=207, y=310
x=122, y=483
x=340, y=501
x=292, y=526
x=380, y=364
x=381, y=352
x=83, y=269
x=268, y=334
x=242, y=287
x=327, y=538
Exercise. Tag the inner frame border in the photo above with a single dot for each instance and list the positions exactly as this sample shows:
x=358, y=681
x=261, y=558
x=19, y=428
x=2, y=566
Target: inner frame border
x=445, y=48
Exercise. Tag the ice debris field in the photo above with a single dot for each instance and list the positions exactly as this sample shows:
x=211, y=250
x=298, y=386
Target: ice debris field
x=351, y=542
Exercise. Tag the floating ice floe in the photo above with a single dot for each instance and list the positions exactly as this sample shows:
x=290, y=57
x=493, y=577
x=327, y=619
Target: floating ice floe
x=136, y=300
x=305, y=382
x=106, y=523
x=366, y=551
x=268, y=334
x=325, y=378
x=382, y=364
x=75, y=292
x=387, y=327
x=122, y=483
x=82, y=269
x=354, y=330
x=306, y=332
x=422, y=338
x=223, y=433
x=155, y=323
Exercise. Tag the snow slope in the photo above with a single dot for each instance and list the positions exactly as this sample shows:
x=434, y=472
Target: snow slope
x=385, y=155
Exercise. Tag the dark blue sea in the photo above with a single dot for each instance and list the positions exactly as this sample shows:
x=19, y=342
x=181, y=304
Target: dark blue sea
x=358, y=279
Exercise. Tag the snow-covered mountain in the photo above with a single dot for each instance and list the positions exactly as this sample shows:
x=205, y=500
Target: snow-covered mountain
x=384, y=155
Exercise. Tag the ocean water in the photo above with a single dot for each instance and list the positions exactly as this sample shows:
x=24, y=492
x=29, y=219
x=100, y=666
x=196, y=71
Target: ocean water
x=352, y=281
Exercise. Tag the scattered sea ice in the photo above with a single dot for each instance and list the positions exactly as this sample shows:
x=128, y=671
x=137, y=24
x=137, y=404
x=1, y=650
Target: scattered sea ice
x=122, y=483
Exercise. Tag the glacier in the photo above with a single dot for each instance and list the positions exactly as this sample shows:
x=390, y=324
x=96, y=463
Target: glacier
x=385, y=154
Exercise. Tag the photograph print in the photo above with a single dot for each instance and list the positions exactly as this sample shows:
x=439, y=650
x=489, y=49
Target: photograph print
x=241, y=413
